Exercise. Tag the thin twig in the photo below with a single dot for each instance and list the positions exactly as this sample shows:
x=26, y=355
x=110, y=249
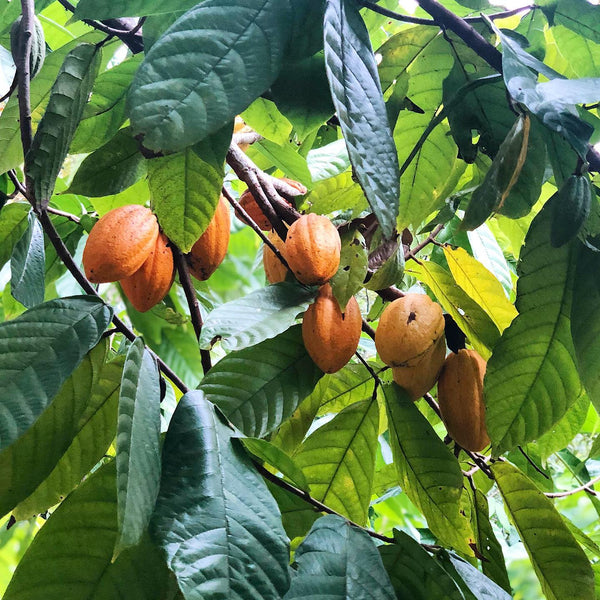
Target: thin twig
x=530, y=461
x=430, y=239
x=368, y=330
x=586, y=487
x=62, y=213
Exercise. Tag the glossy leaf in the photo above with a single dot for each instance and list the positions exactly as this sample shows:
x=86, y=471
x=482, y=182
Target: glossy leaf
x=353, y=268
x=488, y=252
x=188, y=85
x=558, y=560
x=351, y=384
x=338, y=561
x=262, y=115
x=138, y=444
x=38, y=351
x=13, y=223
x=336, y=193
x=260, y=315
x=259, y=387
x=240, y=551
x=572, y=207
x=358, y=99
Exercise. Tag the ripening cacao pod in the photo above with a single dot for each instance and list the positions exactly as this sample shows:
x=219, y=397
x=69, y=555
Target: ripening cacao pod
x=38, y=45
x=330, y=336
x=210, y=249
x=460, y=396
x=275, y=270
x=153, y=280
x=312, y=249
x=119, y=243
x=417, y=380
x=408, y=328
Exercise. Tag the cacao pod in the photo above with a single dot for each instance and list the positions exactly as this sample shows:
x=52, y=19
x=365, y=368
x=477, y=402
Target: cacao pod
x=38, y=45
x=330, y=336
x=408, y=328
x=460, y=396
x=153, y=280
x=312, y=249
x=119, y=243
x=210, y=249
x=417, y=380
x=275, y=270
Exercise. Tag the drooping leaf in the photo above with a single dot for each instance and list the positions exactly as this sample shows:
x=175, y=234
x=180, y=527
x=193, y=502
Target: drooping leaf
x=523, y=403
x=13, y=223
x=138, y=445
x=559, y=562
x=338, y=561
x=240, y=551
x=27, y=265
x=338, y=460
x=178, y=97
x=259, y=387
x=261, y=315
x=53, y=137
x=358, y=99
x=38, y=351
x=353, y=267
x=428, y=472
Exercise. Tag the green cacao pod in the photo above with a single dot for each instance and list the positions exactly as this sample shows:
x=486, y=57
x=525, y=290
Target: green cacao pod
x=38, y=45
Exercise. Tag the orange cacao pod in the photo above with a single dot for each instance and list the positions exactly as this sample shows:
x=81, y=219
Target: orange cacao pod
x=153, y=280
x=417, y=380
x=312, y=249
x=274, y=269
x=408, y=328
x=210, y=249
x=330, y=336
x=119, y=243
x=460, y=396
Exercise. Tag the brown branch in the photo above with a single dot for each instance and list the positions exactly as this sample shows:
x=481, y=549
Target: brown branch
x=62, y=213
x=368, y=330
x=586, y=487
x=430, y=239
x=531, y=462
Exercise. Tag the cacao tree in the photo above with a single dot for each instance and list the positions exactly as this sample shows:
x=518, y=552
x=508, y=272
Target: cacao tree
x=241, y=241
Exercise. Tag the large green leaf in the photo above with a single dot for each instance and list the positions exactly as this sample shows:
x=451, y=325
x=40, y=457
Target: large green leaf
x=259, y=387
x=53, y=137
x=185, y=192
x=358, y=100
x=336, y=193
x=38, y=351
x=206, y=68
x=138, y=444
x=531, y=379
x=70, y=557
x=13, y=223
x=215, y=520
x=262, y=115
x=429, y=474
x=349, y=385
x=285, y=157
x=105, y=9
x=338, y=561
x=559, y=562
x=579, y=16
x=262, y=314
x=488, y=252
x=338, y=460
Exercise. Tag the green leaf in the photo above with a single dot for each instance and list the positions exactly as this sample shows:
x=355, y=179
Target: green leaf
x=262, y=115
x=328, y=161
x=13, y=224
x=336, y=193
x=93, y=406
x=138, y=444
x=353, y=267
x=261, y=315
x=259, y=387
x=38, y=351
x=338, y=561
x=414, y=573
x=70, y=557
x=571, y=207
x=558, y=560
x=190, y=84
x=185, y=192
x=338, y=460
x=429, y=473
x=488, y=252
x=351, y=384
x=357, y=97
x=579, y=16
x=52, y=139
x=27, y=265
x=114, y=167
x=286, y=158
x=524, y=403
x=106, y=9
x=240, y=551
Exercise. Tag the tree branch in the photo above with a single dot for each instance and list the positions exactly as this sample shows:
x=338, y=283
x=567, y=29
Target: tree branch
x=582, y=488
x=430, y=239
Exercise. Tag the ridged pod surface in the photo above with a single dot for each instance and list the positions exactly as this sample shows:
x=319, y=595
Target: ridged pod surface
x=330, y=337
x=275, y=270
x=312, y=249
x=119, y=243
x=460, y=396
x=408, y=328
x=38, y=45
x=210, y=249
x=153, y=280
x=417, y=380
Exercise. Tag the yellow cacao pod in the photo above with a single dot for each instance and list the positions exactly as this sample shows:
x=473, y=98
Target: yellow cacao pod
x=330, y=336
x=460, y=396
x=408, y=328
x=275, y=270
x=312, y=249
